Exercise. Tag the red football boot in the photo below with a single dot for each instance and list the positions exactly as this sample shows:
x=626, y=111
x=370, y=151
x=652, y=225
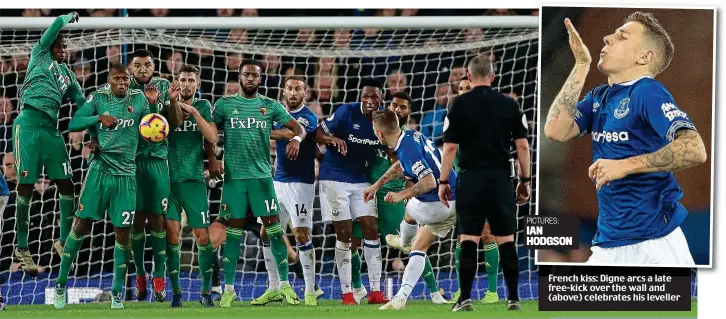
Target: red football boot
x=159, y=289
x=349, y=299
x=376, y=298
x=141, y=284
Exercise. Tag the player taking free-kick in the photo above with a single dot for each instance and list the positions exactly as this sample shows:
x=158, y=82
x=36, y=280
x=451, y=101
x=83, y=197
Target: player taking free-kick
x=639, y=137
x=294, y=185
x=390, y=215
x=188, y=144
x=419, y=161
x=113, y=114
x=36, y=140
x=246, y=118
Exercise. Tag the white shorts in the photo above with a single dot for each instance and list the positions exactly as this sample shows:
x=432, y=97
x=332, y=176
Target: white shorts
x=438, y=218
x=296, y=204
x=668, y=250
x=344, y=201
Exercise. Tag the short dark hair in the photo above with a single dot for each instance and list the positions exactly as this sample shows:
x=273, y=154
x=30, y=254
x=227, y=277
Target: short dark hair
x=402, y=95
x=142, y=53
x=59, y=40
x=296, y=78
x=372, y=82
x=656, y=33
x=480, y=67
x=386, y=120
x=117, y=67
x=249, y=62
x=189, y=69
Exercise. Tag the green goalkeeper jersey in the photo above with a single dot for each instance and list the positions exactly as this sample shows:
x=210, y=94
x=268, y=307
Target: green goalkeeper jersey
x=247, y=124
x=48, y=82
x=186, y=146
x=115, y=142
x=379, y=165
x=148, y=149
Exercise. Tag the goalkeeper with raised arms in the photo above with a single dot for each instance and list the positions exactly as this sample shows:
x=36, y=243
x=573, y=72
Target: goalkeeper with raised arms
x=37, y=143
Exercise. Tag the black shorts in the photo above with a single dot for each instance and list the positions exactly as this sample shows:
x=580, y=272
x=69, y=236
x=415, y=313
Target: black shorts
x=485, y=196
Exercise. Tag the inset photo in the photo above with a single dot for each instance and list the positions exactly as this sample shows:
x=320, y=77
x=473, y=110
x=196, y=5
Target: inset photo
x=626, y=146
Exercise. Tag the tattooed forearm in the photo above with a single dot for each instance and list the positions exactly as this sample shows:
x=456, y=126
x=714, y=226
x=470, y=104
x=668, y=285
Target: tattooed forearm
x=424, y=185
x=560, y=126
x=393, y=172
x=686, y=150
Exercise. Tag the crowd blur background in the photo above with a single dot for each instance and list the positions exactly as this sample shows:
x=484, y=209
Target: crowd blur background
x=689, y=78
x=431, y=79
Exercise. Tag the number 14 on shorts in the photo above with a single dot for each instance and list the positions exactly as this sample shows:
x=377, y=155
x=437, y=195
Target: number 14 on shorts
x=270, y=204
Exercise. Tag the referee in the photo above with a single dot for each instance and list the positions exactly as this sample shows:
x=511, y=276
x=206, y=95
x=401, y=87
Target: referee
x=484, y=190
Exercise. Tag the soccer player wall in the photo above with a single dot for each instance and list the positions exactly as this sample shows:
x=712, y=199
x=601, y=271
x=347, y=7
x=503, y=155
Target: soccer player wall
x=423, y=56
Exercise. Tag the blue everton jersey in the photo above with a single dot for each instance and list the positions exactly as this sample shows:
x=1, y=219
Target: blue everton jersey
x=349, y=124
x=302, y=169
x=626, y=120
x=419, y=157
x=3, y=186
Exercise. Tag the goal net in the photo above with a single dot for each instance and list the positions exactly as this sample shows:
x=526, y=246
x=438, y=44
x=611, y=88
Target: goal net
x=425, y=58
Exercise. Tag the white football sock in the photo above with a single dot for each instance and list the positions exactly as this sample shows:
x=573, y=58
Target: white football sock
x=307, y=261
x=372, y=252
x=271, y=265
x=342, y=261
x=414, y=269
x=229, y=288
x=408, y=231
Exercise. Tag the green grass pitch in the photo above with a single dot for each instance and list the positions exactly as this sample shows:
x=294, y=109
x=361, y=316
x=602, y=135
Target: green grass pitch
x=326, y=309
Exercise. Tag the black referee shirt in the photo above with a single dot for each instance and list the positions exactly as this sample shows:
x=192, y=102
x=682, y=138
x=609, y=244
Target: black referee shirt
x=484, y=122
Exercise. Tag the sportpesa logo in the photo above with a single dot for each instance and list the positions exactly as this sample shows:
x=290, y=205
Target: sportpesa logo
x=607, y=137
x=364, y=141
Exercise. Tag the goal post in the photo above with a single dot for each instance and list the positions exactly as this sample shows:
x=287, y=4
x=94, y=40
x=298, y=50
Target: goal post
x=423, y=56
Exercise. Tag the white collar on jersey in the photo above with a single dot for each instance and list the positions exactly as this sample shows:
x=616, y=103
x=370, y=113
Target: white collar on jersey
x=631, y=82
x=400, y=138
x=298, y=109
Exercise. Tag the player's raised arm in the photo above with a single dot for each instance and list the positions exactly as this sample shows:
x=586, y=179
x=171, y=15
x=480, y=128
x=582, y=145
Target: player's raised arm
x=561, y=125
x=208, y=128
x=176, y=117
x=75, y=93
x=49, y=36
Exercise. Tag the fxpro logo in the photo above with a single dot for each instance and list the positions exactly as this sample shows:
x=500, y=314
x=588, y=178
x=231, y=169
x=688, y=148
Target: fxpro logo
x=249, y=122
x=607, y=137
x=187, y=126
x=364, y=141
x=119, y=125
